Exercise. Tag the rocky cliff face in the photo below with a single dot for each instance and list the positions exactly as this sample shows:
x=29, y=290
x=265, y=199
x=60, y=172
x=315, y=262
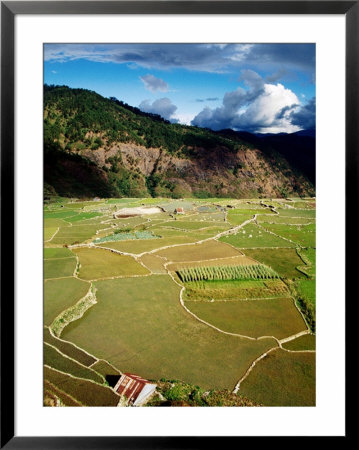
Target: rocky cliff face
x=218, y=172
x=95, y=146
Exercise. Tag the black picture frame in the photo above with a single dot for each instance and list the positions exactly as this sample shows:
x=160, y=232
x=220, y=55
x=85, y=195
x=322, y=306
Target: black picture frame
x=9, y=9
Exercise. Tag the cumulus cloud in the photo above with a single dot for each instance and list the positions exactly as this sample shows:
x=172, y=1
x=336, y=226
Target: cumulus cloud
x=154, y=84
x=261, y=115
x=162, y=106
x=304, y=117
x=285, y=110
x=259, y=107
x=183, y=118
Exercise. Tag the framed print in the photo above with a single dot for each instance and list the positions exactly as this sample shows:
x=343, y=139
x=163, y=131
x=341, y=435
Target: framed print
x=176, y=180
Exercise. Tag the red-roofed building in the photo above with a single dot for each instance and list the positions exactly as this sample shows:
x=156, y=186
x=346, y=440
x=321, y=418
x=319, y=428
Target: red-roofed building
x=135, y=389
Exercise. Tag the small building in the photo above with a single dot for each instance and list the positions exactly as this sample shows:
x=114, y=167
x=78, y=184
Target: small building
x=179, y=210
x=135, y=389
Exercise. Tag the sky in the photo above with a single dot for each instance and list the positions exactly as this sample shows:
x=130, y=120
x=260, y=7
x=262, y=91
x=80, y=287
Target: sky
x=259, y=88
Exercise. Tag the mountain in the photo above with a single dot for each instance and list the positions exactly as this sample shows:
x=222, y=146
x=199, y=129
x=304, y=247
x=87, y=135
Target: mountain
x=95, y=146
x=297, y=148
x=310, y=133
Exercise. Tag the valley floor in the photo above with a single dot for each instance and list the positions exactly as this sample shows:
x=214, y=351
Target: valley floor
x=214, y=293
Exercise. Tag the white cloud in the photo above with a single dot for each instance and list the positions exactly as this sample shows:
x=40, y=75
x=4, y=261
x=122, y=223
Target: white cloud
x=263, y=114
x=154, y=84
x=162, y=106
x=184, y=119
x=261, y=108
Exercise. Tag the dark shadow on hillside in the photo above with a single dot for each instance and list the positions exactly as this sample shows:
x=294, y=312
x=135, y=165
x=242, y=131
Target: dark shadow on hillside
x=297, y=148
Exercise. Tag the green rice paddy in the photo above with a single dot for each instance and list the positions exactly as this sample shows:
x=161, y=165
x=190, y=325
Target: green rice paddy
x=87, y=392
x=59, y=268
x=271, y=317
x=176, y=345
x=307, y=213
x=282, y=379
x=302, y=235
x=61, y=294
x=306, y=290
x=69, y=349
x=49, y=232
x=96, y=263
x=55, y=359
x=306, y=342
x=252, y=236
x=50, y=253
x=138, y=324
x=207, y=250
x=283, y=260
x=105, y=369
x=234, y=290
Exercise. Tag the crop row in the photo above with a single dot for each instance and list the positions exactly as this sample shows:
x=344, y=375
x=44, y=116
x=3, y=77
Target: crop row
x=251, y=272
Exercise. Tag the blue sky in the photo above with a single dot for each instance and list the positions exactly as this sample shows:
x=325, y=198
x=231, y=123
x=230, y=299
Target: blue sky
x=264, y=88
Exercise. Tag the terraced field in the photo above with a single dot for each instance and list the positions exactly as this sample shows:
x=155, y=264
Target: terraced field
x=276, y=317
x=60, y=294
x=282, y=378
x=254, y=236
x=176, y=346
x=97, y=263
x=59, y=267
x=285, y=261
x=200, y=297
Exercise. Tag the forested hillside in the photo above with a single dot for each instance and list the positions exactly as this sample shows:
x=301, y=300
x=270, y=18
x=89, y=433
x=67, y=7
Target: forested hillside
x=94, y=146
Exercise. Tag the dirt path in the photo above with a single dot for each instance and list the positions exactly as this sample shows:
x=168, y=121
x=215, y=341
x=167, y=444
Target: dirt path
x=49, y=240
x=104, y=360
x=294, y=336
x=252, y=366
x=72, y=343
